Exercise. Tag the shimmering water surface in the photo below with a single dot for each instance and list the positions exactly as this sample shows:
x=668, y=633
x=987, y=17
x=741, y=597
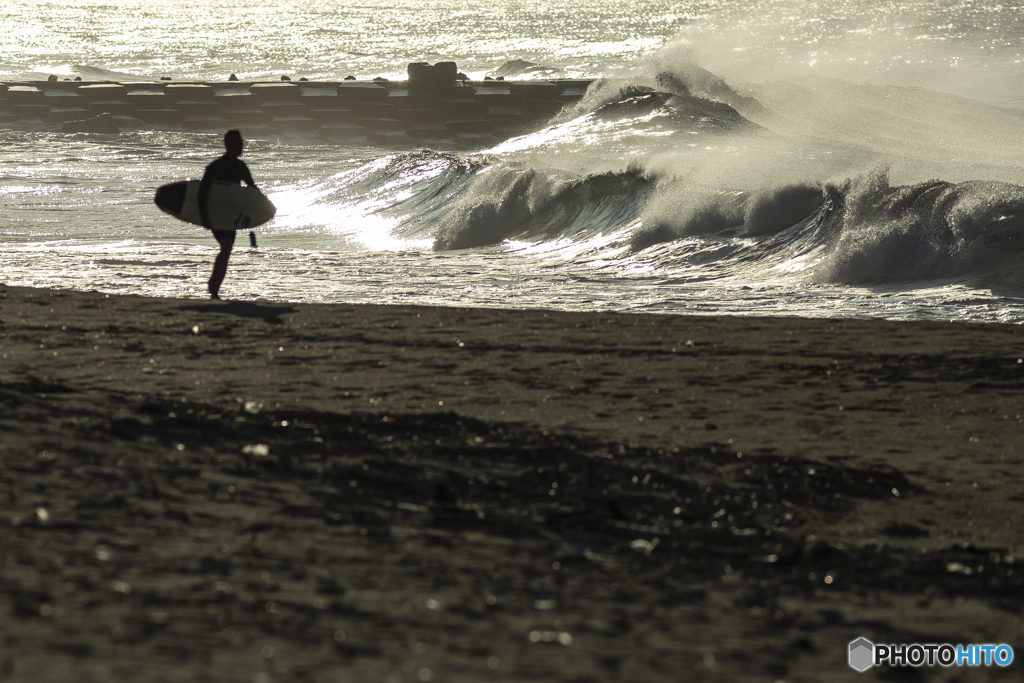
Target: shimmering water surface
x=857, y=159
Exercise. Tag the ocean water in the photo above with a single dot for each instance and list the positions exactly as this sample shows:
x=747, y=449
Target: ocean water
x=839, y=159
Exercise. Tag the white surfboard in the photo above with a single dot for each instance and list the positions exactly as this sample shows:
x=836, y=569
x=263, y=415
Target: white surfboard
x=231, y=206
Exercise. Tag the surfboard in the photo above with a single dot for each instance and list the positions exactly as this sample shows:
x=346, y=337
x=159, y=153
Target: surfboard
x=231, y=206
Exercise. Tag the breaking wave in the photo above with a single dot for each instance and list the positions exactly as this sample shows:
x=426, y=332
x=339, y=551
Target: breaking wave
x=862, y=230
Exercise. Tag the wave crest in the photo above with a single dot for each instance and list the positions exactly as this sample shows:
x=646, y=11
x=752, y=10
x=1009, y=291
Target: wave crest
x=676, y=213
x=934, y=229
x=514, y=201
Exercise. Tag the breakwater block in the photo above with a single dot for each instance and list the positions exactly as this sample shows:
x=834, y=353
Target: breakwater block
x=423, y=75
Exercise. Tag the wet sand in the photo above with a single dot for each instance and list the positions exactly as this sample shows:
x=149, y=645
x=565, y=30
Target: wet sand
x=203, y=491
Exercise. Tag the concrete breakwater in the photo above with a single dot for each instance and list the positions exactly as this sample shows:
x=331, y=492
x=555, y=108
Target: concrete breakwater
x=431, y=105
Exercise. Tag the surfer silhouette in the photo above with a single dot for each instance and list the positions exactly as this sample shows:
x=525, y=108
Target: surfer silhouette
x=231, y=169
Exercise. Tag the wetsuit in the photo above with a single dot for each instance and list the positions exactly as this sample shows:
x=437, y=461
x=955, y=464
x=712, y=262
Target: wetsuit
x=231, y=169
x=227, y=168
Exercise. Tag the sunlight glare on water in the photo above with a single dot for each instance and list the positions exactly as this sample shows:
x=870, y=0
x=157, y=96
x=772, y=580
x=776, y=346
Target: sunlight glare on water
x=841, y=92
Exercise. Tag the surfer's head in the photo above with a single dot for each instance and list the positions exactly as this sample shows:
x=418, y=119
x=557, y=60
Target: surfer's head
x=233, y=142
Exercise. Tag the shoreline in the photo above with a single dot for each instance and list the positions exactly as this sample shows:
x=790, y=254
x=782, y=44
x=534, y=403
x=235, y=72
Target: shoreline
x=737, y=497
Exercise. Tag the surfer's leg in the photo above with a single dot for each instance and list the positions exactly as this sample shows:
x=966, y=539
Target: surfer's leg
x=226, y=239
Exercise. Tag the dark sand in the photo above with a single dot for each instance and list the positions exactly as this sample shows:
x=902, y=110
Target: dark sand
x=197, y=491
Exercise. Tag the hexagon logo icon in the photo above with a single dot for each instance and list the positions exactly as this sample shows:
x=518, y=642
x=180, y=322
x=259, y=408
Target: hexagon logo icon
x=862, y=654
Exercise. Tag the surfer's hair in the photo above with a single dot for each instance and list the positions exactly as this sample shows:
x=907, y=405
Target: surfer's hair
x=233, y=134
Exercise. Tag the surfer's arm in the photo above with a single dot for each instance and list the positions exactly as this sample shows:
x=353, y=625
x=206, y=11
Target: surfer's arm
x=247, y=177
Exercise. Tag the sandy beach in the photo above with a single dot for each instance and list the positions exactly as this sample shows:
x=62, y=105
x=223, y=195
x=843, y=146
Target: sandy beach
x=206, y=491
